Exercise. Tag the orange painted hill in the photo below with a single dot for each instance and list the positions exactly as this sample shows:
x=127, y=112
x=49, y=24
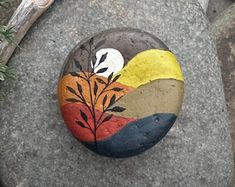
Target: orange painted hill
x=71, y=81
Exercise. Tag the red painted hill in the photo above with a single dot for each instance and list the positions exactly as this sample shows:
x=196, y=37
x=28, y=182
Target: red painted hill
x=71, y=113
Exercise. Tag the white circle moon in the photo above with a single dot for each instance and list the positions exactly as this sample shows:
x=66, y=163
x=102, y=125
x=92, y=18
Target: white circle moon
x=114, y=61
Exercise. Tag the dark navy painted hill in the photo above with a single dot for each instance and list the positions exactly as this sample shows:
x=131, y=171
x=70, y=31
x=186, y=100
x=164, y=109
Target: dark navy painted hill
x=136, y=137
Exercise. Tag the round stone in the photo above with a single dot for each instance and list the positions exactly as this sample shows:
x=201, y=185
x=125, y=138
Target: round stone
x=120, y=92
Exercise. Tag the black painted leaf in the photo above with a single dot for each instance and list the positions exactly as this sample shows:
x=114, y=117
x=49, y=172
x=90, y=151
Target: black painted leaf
x=112, y=100
x=78, y=65
x=110, y=77
x=116, y=78
x=72, y=100
x=99, y=44
x=103, y=57
x=104, y=100
x=91, y=41
x=79, y=87
x=95, y=88
x=82, y=47
x=93, y=59
x=80, y=124
x=116, y=89
x=107, y=118
x=102, y=70
x=71, y=90
x=117, y=109
x=74, y=74
x=100, y=81
x=84, y=116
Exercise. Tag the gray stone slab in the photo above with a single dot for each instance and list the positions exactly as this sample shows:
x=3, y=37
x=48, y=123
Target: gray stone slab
x=36, y=149
x=204, y=4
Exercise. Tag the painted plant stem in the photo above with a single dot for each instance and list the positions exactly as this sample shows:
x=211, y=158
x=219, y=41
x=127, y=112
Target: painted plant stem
x=94, y=92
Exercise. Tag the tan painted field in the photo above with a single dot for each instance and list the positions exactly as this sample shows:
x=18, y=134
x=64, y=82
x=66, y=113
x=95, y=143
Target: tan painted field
x=159, y=96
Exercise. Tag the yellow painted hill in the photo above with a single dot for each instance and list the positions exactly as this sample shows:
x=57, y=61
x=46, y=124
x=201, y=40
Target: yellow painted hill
x=148, y=66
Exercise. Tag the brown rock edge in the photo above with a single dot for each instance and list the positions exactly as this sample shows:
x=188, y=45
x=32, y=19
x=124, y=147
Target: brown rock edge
x=223, y=29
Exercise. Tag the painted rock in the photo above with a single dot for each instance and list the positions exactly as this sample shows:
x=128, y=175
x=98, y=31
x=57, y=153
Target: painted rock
x=120, y=92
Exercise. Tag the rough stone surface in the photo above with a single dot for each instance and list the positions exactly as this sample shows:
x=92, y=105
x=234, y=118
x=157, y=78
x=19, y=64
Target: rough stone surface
x=215, y=7
x=223, y=29
x=204, y=4
x=36, y=148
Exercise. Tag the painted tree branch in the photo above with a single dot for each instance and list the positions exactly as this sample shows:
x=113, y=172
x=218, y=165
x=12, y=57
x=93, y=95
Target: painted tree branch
x=23, y=18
